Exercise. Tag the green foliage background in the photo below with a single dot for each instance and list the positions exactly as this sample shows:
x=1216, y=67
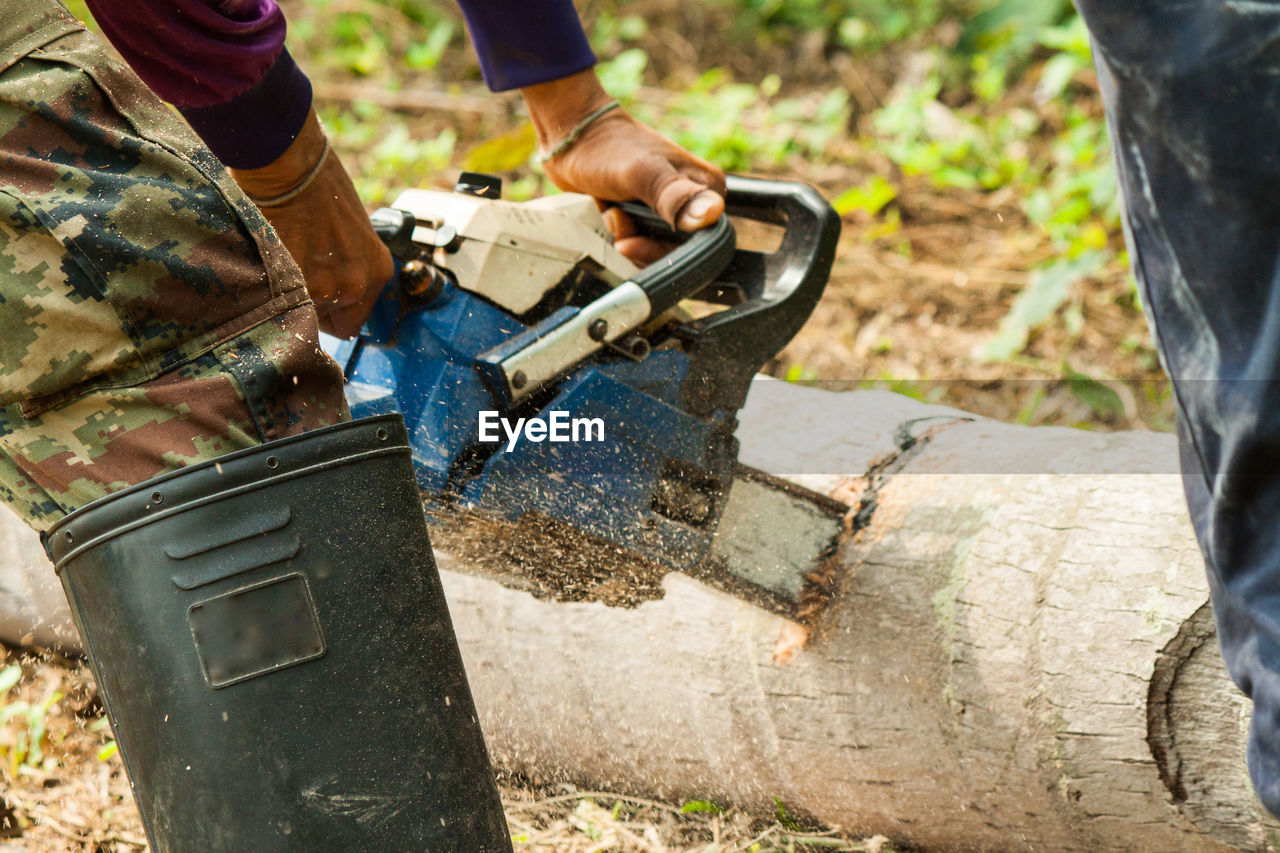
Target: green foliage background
x=987, y=96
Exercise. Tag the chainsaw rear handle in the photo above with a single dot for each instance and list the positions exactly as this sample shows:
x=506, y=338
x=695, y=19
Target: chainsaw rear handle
x=795, y=274
x=800, y=265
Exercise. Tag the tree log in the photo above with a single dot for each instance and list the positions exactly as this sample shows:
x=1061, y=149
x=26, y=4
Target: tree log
x=1016, y=652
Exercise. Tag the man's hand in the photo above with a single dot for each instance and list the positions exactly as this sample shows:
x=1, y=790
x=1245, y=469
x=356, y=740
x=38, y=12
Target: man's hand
x=618, y=159
x=309, y=199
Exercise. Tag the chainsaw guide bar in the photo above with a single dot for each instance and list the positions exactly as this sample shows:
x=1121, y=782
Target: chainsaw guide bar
x=772, y=549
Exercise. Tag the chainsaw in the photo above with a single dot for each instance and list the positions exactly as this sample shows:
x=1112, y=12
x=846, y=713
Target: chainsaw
x=543, y=375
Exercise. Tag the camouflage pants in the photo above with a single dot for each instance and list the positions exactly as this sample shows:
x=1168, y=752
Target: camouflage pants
x=149, y=316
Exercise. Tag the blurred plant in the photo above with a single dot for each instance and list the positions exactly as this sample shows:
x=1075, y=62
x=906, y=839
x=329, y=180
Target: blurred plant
x=859, y=25
x=869, y=198
x=23, y=728
x=970, y=151
x=1048, y=289
x=962, y=127
x=79, y=9
x=999, y=39
x=738, y=126
x=612, y=32
x=921, y=390
x=383, y=153
x=701, y=807
x=366, y=37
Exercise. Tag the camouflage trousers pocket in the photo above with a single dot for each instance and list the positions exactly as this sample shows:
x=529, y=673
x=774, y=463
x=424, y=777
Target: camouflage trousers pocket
x=149, y=317
x=125, y=250
x=267, y=382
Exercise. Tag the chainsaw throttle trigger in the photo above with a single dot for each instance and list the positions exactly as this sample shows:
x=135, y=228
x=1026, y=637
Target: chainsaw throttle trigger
x=690, y=267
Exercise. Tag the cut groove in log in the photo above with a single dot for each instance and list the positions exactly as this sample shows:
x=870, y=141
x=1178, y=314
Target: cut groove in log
x=783, y=566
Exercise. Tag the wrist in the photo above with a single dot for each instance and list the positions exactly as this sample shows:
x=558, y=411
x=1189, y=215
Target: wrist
x=558, y=106
x=286, y=172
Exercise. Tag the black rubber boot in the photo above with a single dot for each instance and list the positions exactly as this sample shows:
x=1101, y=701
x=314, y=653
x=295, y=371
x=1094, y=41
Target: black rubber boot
x=271, y=642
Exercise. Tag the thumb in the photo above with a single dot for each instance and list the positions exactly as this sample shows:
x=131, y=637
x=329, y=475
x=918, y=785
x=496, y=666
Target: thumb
x=682, y=201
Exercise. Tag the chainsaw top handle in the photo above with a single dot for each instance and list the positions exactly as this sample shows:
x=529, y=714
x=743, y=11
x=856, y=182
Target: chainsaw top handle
x=688, y=268
x=798, y=269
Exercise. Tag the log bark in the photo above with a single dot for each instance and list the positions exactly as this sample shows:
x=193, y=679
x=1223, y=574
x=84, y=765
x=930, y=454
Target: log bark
x=1017, y=653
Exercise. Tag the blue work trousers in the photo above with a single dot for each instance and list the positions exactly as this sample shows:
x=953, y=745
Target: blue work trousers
x=1192, y=95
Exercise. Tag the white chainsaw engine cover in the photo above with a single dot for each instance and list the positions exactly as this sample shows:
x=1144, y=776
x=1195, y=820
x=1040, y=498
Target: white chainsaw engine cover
x=513, y=253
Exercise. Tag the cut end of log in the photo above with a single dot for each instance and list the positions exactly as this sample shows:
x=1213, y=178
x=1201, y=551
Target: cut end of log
x=1198, y=725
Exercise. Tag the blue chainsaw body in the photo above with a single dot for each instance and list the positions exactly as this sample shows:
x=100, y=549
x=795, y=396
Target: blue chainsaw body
x=603, y=483
x=636, y=451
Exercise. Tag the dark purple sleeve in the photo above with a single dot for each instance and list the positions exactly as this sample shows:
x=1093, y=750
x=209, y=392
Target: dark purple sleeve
x=523, y=42
x=222, y=63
